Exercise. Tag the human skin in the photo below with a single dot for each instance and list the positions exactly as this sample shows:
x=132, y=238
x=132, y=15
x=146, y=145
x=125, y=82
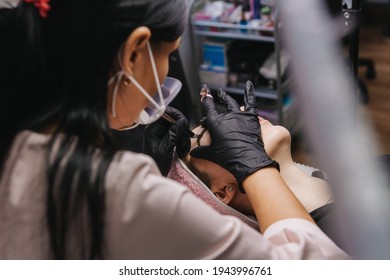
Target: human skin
x=311, y=192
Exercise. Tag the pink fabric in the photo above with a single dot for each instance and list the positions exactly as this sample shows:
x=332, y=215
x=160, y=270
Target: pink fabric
x=180, y=173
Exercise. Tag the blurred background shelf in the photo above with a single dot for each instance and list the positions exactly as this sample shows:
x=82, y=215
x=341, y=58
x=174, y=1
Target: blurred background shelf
x=232, y=31
x=235, y=43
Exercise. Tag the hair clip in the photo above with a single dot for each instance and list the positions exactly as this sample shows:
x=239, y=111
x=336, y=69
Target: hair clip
x=42, y=5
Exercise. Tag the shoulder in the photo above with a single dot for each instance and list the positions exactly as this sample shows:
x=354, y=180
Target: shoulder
x=140, y=174
x=133, y=179
x=129, y=164
x=27, y=153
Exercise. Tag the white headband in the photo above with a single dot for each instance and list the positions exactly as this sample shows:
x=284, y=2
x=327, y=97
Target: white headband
x=9, y=4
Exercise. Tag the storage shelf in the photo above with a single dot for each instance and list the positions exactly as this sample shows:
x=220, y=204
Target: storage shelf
x=265, y=93
x=260, y=91
x=231, y=35
x=272, y=115
x=277, y=105
x=290, y=116
x=232, y=31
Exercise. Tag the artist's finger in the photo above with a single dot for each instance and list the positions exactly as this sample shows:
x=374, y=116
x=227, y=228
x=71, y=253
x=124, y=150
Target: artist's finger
x=228, y=101
x=208, y=108
x=250, y=98
x=205, y=92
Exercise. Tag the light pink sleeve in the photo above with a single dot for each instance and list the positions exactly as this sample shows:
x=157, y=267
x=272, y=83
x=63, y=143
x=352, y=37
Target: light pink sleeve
x=152, y=217
x=304, y=240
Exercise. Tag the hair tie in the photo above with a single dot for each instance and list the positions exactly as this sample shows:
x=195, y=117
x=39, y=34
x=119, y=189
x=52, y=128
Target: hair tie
x=42, y=5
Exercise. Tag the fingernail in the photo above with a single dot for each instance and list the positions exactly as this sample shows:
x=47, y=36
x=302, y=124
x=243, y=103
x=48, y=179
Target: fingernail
x=205, y=88
x=204, y=91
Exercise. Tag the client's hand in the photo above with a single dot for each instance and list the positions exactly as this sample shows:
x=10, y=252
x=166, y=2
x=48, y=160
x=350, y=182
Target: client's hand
x=161, y=137
x=236, y=144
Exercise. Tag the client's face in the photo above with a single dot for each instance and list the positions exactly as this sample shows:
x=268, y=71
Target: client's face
x=220, y=181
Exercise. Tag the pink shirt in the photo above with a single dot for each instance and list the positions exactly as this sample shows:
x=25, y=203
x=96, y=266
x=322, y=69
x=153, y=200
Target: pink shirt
x=147, y=216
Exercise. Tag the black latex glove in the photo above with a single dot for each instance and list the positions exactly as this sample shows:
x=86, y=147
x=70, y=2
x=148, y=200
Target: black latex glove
x=161, y=137
x=236, y=144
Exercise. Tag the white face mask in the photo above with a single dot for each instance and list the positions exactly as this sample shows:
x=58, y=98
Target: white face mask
x=157, y=104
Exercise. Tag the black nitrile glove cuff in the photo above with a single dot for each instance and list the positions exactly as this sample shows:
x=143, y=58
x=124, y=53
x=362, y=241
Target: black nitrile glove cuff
x=266, y=163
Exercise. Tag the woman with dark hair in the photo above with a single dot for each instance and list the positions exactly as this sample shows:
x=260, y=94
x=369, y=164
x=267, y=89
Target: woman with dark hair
x=72, y=70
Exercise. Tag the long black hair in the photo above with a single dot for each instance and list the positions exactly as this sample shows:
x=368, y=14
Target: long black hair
x=54, y=73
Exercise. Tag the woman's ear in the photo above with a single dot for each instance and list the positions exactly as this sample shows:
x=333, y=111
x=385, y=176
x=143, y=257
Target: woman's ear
x=134, y=48
x=225, y=193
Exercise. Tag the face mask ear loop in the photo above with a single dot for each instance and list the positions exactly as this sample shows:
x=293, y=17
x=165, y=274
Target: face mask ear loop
x=140, y=88
x=130, y=127
x=162, y=105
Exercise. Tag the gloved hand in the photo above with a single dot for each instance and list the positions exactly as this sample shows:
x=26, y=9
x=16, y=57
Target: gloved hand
x=161, y=137
x=236, y=144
